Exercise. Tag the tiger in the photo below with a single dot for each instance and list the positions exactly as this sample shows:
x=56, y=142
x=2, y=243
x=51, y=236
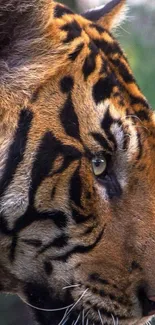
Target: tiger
x=77, y=177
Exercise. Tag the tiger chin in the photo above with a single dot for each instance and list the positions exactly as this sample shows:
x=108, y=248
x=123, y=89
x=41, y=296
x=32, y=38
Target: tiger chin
x=77, y=176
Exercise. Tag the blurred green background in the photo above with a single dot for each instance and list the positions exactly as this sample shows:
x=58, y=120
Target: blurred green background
x=137, y=37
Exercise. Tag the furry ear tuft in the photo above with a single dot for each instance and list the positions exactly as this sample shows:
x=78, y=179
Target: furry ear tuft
x=109, y=16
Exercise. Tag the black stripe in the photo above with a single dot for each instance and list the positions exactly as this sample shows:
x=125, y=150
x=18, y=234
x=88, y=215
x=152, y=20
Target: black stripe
x=69, y=119
x=140, y=147
x=126, y=142
x=107, y=121
x=81, y=218
x=106, y=125
x=68, y=159
x=99, y=28
x=72, y=56
x=47, y=152
x=32, y=242
x=135, y=100
x=96, y=278
x=125, y=74
x=58, y=242
x=88, y=231
x=103, y=88
x=53, y=192
x=104, y=68
x=32, y=215
x=143, y=115
x=73, y=30
x=75, y=190
x=60, y=11
x=90, y=61
x=48, y=267
x=108, y=48
x=66, y=84
x=101, y=140
x=17, y=149
x=58, y=217
x=13, y=247
x=79, y=249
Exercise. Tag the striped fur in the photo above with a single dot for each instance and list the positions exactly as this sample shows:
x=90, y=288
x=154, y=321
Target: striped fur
x=67, y=237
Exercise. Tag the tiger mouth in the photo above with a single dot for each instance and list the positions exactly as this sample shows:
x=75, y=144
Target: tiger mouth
x=149, y=307
x=59, y=316
x=147, y=303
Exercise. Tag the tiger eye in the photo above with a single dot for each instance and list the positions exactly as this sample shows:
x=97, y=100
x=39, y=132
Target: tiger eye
x=99, y=165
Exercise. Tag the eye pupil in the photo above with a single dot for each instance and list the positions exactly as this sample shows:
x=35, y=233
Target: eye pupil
x=97, y=162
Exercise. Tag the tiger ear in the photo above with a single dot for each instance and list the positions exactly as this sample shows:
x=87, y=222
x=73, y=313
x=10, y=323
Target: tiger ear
x=109, y=16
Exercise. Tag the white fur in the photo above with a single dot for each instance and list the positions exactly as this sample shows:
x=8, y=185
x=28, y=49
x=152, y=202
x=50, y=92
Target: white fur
x=121, y=17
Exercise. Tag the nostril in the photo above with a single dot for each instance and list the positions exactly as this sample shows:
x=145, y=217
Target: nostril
x=147, y=305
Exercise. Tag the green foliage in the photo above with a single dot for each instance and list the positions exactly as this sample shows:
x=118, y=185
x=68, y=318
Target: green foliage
x=13, y=312
x=138, y=42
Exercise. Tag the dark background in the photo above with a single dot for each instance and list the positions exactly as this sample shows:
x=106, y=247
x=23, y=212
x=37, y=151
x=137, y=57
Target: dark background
x=137, y=37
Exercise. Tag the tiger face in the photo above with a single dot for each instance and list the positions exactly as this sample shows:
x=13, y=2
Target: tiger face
x=77, y=178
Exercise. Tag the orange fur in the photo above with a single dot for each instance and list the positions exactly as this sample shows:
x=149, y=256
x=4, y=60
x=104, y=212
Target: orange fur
x=68, y=95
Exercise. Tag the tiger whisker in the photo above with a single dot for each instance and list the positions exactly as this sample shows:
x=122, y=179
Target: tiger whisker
x=65, y=322
x=87, y=313
x=75, y=323
x=148, y=323
x=66, y=281
x=113, y=319
x=126, y=31
x=64, y=316
x=78, y=300
x=83, y=316
x=71, y=286
x=73, y=306
x=45, y=309
x=136, y=117
x=100, y=317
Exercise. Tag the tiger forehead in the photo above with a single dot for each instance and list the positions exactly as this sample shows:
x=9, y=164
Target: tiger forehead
x=93, y=54
x=79, y=121
x=64, y=15
x=90, y=78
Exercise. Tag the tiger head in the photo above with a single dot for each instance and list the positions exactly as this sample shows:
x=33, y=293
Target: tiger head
x=77, y=177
